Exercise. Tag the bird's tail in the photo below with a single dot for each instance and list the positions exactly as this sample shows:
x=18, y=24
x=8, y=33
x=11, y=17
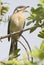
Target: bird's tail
x=13, y=46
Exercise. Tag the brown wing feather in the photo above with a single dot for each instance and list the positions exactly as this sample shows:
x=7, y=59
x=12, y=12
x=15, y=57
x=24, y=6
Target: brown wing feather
x=8, y=30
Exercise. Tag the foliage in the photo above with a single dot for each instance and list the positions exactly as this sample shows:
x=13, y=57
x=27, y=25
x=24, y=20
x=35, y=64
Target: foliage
x=37, y=18
x=3, y=10
x=42, y=3
x=38, y=53
x=17, y=62
x=41, y=33
x=14, y=54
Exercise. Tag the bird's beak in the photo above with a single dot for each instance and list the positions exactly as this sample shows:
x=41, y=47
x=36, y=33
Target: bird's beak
x=26, y=7
x=24, y=10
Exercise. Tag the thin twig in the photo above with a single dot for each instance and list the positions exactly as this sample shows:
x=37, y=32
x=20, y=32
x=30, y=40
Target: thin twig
x=24, y=48
x=28, y=45
x=10, y=35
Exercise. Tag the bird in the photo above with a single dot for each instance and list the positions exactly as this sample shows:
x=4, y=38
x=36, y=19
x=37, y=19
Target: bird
x=16, y=23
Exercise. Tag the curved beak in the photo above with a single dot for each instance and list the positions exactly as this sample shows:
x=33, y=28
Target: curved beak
x=27, y=7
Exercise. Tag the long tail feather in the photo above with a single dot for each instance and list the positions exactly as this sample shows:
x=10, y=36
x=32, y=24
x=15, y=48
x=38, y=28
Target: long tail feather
x=13, y=45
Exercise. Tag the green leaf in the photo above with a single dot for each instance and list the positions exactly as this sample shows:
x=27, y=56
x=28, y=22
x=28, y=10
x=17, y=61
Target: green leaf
x=29, y=23
x=14, y=54
x=26, y=62
x=40, y=5
x=30, y=63
x=32, y=10
x=42, y=29
x=41, y=36
x=41, y=33
x=13, y=62
x=33, y=29
x=35, y=52
x=42, y=45
x=41, y=55
x=1, y=64
x=42, y=2
x=10, y=62
x=36, y=15
x=33, y=63
x=5, y=8
x=0, y=19
x=16, y=51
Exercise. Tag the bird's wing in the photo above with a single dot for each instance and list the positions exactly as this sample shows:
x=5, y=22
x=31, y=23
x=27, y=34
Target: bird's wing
x=24, y=24
x=23, y=27
x=8, y=29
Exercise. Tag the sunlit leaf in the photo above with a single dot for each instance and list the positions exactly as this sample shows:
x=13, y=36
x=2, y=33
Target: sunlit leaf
x=42, y=29
x=42, y=2
x=38, y=53
x=5, y=8
x=16, y=51
x=33, y=63
x=42, y=46
x=13, y=62
x=35, y=52
x=41, y=55
x=41, y=33
x=14, y=54
x=41, y=36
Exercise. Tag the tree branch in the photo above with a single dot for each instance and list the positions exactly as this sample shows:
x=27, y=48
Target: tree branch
x=2, y=37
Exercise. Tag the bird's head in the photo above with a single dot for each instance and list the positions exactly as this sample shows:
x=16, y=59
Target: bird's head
x=20, y=8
